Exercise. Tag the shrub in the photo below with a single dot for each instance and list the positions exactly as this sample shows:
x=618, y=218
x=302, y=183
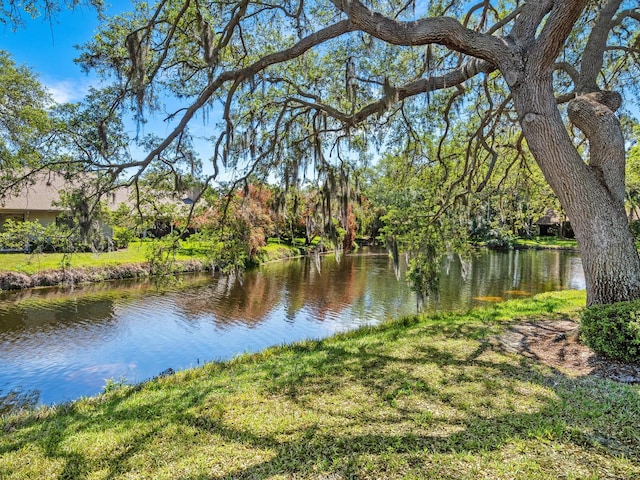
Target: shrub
x=21, y=235
x=499, y=239
x=32, y=236
x=613, y=330
x=122, y=236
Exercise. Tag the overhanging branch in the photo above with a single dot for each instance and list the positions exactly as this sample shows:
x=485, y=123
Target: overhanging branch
x=445, y=31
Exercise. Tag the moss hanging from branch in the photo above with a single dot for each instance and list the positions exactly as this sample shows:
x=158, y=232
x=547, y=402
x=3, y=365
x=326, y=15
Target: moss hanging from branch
x=137, y=47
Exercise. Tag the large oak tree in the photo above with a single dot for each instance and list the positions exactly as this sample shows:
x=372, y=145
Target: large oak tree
x=301, y=82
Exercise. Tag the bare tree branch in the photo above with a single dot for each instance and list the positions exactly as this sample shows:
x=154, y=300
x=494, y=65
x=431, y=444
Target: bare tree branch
x=593, y=57
x=445, y=31
x=569, y=70
x=554, y=33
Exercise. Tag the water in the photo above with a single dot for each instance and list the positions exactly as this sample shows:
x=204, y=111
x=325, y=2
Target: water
x=58, y=345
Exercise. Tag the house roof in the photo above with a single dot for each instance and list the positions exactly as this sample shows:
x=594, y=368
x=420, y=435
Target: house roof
x=550, y=218
x=43, y=193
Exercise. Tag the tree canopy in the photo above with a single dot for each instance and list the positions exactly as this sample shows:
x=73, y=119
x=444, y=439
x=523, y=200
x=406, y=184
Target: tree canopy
x=24, y=120
x=305, y=80
x=13, y=12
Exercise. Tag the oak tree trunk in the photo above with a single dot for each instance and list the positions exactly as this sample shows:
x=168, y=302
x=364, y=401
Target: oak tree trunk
x=592, y=193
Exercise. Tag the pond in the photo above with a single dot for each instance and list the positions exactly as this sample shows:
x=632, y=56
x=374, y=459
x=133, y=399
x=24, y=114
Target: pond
x=60, y=344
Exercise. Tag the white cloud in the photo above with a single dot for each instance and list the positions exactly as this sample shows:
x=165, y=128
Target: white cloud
x=69, y=90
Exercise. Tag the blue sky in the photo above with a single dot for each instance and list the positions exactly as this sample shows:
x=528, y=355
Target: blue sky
x=48, y=49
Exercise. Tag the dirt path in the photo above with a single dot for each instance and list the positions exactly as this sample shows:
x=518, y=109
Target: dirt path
x=556, y=344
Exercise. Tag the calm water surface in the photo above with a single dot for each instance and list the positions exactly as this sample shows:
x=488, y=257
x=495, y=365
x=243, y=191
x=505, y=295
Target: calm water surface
x=64, y=344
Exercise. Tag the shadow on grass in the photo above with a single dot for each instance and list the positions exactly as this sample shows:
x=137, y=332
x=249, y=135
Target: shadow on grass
x=409, y=398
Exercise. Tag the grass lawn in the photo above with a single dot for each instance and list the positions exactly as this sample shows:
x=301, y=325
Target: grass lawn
x=278, y=250
x=31, y=263
x=416, y=398
x=547, y=242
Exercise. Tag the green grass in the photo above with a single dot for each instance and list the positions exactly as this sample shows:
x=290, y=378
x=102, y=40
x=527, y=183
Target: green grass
x=278, y=250
x=137, y=252
x=31, y=263
x=547, y=242
x=416, y=398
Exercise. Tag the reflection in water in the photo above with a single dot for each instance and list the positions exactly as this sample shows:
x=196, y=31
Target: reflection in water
x=67, y=344
x=290, y=286
x=489, y=299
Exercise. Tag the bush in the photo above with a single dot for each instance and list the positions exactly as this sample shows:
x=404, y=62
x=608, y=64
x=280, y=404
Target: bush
x=22, y=236
x=613, y=330
x=122, y=236
x=32, y=236
x=499, y=239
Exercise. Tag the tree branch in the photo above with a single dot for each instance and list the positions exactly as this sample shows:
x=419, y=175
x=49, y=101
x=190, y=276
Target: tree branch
x=240, y=75
x=555, y=32
x=570, y=70
x=445, y=31
x=397, y=94
x=631, y=13
x=529, y=19
x=593, y=57
x=593, y=113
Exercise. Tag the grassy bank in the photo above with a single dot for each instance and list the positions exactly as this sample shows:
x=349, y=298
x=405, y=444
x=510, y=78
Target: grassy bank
x=279, y=250
x=415, y=398
x=20, y=270
x=30, y=263
x=136, y=253
x=546, y=242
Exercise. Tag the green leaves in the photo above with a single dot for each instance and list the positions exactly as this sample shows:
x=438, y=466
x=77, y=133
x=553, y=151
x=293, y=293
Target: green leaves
x=24, y=119
x=12, y=11
x=613, y=330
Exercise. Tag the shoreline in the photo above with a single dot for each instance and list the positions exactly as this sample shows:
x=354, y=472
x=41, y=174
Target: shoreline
x=61, y=277
x=12, y=280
